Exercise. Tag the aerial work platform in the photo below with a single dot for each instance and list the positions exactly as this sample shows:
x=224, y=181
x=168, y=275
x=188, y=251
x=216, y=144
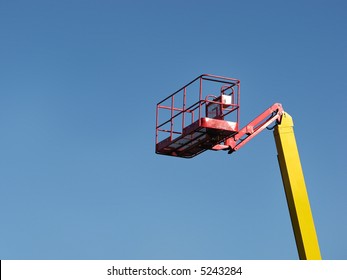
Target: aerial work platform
x=197, y=117
x=204, y=115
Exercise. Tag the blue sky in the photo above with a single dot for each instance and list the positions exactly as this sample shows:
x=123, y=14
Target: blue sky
x=79, y=81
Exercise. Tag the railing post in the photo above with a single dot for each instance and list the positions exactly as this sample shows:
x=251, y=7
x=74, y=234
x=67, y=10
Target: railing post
x=172, y=114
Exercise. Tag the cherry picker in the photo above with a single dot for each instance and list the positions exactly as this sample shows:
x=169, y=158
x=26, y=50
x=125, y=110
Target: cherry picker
x=204, y=115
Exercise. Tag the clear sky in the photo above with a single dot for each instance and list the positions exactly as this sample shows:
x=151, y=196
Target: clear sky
x=79, y=82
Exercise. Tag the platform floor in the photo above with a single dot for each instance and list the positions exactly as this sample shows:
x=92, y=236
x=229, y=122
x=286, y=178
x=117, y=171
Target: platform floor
x=198, y=137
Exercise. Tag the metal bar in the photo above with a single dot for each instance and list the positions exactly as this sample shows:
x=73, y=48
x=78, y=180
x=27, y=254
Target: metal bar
x=222, y=79
x=172, y=112
x=166, y=130
x=156, y=124
x=200, y=98
x=184, y=107
x=230, y=82
x=238, y=102
x=177, y=91
x=295, y=190
x=170, y=108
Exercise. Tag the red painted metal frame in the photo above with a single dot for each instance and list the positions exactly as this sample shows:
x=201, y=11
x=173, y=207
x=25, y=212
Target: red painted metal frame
x=272, y=114
x=197, y=132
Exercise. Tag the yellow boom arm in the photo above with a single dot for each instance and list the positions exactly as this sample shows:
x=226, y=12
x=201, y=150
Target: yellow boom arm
x=295, y=190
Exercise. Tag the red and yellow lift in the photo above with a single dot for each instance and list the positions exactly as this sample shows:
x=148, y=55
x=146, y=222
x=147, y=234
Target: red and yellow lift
x=204, y=115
